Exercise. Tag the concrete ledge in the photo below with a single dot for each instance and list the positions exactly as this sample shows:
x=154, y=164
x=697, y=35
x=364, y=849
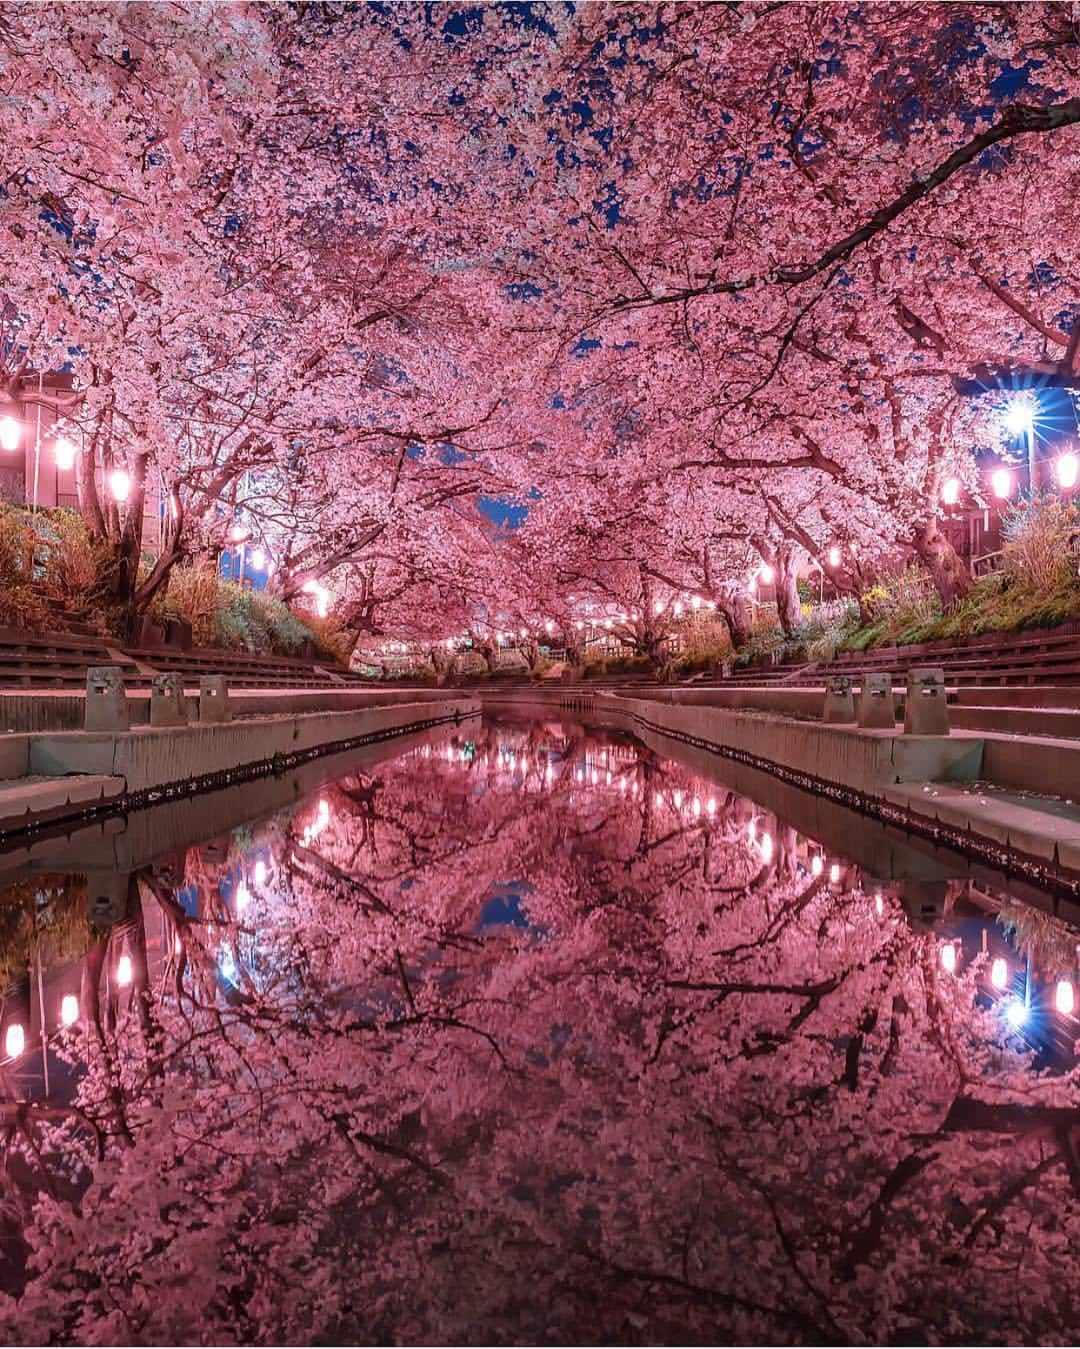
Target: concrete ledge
x=152, y=758
x=25, y=804
x=45, y=710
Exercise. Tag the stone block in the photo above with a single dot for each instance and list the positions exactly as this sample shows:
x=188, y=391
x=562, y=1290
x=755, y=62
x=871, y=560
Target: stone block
x=839, y=703
x=106, y=700
x=925, y=709
x=876, y=709
x=214, y=699
x=167, y=704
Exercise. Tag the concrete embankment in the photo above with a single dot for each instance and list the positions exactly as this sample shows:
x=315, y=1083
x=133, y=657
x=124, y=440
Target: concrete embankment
x=67, y=775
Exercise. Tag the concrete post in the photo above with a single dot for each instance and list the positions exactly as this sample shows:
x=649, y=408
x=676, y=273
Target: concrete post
x=106, y=700
x=876, y=708
x=167, y=706
x=925, y=709
x=214, y=699
x=107, y=896
x=839, y=704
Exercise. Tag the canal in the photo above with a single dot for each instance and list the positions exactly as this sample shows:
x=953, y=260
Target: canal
x=527, y=1030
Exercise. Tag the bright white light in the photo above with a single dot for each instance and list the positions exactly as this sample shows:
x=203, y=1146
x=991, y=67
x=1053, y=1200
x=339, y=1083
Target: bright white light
x=239, y=534
x=9, y=433
x=258, y=558
x=879, y=904
x=64, y=454
x=658, y=607
x=834, y=873
x=1067, y=469
x=120, y=484
x=677, y=798
x=766, y=574
x=678, y=608
x=524, y=632
x=14, y=1041
x=549, y=627
x=695, y=603
x=322, y=597
x=243, y=897
x=69, y=1009
x=579, y=625
x=696, y=806
x=710, y=805
x=1019, y=416
x=607, y=623
x=834, y=556
x=1001, y=481
x=322, y=818
x=124, y=972
x=766, y=847
x=1065, y=997
x=950, y=491
x=999, y=972
x=260, y=865
x=817, y=866
x=658, y=799
x=1016, y=1013
x=948, y=958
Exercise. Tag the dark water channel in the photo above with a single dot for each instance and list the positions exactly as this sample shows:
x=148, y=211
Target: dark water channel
x=527, y=1032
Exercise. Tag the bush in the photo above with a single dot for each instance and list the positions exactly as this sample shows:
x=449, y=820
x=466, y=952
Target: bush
x=225, y=614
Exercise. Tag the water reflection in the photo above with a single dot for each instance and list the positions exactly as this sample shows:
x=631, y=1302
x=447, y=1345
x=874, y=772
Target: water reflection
x=532, y=1035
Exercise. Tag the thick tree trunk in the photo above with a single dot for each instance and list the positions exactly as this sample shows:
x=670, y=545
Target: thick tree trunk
x=946, y=567
x=788, y=604
x=734, y=607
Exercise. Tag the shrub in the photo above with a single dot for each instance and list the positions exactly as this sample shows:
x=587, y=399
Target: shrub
x=225, y=614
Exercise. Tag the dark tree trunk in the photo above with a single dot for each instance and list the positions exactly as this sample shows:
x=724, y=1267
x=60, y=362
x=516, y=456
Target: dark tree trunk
x=946, y=567
x=734, y=607
x=788, y=605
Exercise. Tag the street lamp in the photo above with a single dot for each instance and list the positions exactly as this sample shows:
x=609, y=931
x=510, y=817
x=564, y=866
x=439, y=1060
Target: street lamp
x=10, y=432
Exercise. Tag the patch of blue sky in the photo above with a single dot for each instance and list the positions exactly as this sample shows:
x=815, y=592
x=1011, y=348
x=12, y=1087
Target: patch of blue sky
x=502, y=512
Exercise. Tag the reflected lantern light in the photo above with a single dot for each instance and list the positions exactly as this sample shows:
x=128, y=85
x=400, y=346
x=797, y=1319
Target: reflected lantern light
x=1067, y=469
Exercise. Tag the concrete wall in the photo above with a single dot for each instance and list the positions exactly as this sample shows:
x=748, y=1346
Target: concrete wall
x=172, y=758
x=61, y=711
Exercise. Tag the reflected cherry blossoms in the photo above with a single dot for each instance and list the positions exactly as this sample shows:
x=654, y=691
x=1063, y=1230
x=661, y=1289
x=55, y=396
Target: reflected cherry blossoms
x=531, y=1035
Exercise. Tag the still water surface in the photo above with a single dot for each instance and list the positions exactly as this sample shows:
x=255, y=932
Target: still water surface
x=531, y=1034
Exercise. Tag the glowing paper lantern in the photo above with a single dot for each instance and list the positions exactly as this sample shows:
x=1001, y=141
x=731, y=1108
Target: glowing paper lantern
x=69, y=1009
x=1065, y=997
x=950, y=491
x=9, y=433
x=124, y=971
x=64, y=453
x=120, y=485
x=1001, y=481
x=14, y=1041
x=948, y=957
x=260, y=868
x=766, y=574
x=999, y=972
x=817, y=866
x=834, y=556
